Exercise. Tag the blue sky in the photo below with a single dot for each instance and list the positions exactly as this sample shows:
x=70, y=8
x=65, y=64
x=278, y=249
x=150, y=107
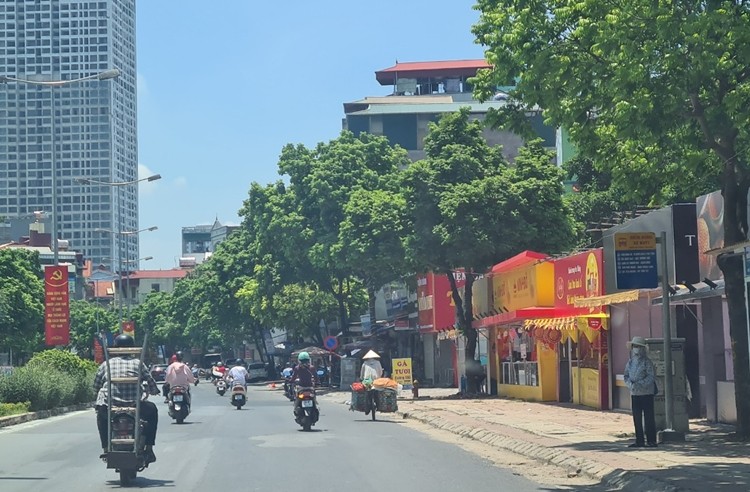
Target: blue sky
x=224, y=85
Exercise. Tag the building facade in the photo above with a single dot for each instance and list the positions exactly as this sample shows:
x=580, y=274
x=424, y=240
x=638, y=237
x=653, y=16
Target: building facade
x=91, y=124
x=422, y=93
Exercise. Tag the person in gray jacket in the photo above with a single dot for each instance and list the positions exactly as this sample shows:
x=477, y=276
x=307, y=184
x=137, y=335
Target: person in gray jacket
x=640, y=378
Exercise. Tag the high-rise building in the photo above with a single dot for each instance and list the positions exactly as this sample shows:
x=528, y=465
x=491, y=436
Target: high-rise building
x=94, y=128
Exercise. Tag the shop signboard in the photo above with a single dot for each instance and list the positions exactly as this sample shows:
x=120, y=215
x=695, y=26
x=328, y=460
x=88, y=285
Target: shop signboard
x=425, y=302
x=443, y=305
x=635, y=260
x=56, y=306
x=402, y=373
x=524, y=287
x=578, y=276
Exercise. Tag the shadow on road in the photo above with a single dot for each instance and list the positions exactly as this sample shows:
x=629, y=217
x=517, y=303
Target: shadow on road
x=378, y=421
x=186, y=423
x=143, y=483
x=23, y=478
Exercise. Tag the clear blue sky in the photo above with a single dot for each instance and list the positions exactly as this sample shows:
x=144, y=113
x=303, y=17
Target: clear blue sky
x=224, y=85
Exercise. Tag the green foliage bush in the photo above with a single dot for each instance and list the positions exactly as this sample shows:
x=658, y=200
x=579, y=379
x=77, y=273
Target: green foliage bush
x=13, y=408
x=63, y=361
x=52, y=378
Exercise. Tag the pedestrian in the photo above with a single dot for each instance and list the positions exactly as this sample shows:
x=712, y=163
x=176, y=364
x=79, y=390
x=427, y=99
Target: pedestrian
x=640, y=378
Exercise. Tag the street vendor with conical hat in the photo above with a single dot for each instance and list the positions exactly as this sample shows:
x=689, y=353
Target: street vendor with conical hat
x=371, y=367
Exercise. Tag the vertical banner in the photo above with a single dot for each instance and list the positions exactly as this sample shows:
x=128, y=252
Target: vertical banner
x=128, y=328
x=98, y=351
x=56, y=305
x=402, y=372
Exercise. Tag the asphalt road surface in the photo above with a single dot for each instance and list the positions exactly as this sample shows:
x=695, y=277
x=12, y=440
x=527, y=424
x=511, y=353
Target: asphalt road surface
x=257, y=448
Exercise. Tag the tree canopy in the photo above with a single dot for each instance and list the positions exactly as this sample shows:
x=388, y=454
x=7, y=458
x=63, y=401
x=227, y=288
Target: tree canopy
x=655, y=93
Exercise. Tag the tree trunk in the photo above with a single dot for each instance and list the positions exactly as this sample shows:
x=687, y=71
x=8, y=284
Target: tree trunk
x=735, y=227
x=371, y=302
x=465, y=316
x=343, y=315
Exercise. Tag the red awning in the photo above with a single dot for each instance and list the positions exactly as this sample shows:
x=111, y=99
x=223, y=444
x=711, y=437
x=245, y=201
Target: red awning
x=529, y=313
x=519, y=260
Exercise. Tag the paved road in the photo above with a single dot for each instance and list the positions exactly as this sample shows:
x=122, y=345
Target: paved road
x=257, y=448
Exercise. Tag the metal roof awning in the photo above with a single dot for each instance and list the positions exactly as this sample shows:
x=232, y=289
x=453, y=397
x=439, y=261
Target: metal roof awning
x=702, y=291
x=606, y=300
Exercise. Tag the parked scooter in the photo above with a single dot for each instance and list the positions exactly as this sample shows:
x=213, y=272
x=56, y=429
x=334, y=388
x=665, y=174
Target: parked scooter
x=239, y=395
x=221, y=387
x=179, y=403
x=306, y=409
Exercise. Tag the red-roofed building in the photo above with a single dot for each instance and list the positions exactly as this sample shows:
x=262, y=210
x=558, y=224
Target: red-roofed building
x=422, y=92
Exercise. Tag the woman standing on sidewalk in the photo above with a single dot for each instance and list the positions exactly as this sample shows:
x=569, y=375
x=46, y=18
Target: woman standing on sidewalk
x=640, y=378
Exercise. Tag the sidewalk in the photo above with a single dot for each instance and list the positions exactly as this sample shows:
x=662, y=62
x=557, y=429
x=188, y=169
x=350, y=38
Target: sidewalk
x=593, y=441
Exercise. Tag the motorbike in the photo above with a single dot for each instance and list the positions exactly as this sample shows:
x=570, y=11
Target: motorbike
x=221, y=387
x=239, y=395
x=289, y=389
x=179, y=403
x=306, y=409
x=196, y=375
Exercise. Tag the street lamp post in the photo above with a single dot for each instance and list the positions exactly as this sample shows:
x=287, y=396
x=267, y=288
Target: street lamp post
x=127, y=280
x=123, y=233
x=52, y=84
x=118, y=184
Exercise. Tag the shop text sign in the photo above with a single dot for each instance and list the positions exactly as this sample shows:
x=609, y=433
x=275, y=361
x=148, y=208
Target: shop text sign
x=578, y=276
x=635, y=260
x=56, y=305
x=402, y=372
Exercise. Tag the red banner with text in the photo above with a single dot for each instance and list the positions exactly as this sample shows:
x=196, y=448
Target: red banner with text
x=128, y=328
x=56, y=306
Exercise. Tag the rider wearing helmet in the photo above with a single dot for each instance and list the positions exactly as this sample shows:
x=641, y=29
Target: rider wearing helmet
x=178, y=374
x=303, y=374
x=126, y=394
x=238, y=375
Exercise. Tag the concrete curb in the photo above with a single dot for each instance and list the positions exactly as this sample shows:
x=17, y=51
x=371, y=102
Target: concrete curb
x=42, y=414
x=612, y=477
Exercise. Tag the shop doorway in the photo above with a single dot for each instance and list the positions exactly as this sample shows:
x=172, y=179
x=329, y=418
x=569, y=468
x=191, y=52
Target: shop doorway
x=564, y=373
x=687, y=328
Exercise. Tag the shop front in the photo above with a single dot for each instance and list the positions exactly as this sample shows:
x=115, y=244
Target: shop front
x=522, y=289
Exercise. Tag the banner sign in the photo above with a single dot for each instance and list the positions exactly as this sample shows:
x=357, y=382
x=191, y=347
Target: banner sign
x=577, y=277
x=402, y=372
x=98, y=351
x=56, y=305
x=128, y=328
x=635, y=260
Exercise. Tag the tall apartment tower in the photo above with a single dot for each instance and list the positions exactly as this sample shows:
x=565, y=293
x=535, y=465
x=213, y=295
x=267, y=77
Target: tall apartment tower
x=94, y=121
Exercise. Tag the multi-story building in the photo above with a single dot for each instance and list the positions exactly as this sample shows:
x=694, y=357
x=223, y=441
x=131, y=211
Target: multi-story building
x=92, y=126
x=422, y=93
x=200, y=241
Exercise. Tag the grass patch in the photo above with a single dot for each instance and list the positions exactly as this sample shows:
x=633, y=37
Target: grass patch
x=7, y=409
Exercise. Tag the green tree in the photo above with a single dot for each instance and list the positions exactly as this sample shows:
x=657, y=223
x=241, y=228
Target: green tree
x=468, y=209
x=21, y=300
x=655, y=92
x=371, y=236
x=86, y=320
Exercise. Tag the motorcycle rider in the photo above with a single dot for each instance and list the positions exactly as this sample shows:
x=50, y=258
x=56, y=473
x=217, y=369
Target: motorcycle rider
x=370, y=371
x=126, y=395
x=218, y=371
x=287, y=374
x=178, y=374
x=238, y=374
x=303, y=375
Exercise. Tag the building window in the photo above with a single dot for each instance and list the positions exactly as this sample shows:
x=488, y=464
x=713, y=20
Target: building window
x=155, y=287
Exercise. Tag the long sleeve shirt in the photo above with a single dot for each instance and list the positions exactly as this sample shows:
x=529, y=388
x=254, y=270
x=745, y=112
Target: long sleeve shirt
x=371, y=369
x=640, y=375
x=305, y=375
x=179, y=374
x=123, y=394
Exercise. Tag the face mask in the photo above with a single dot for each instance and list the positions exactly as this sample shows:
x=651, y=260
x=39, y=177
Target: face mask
x=637, y=350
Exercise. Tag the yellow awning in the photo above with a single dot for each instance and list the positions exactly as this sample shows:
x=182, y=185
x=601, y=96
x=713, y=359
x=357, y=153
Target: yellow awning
x=606, y=300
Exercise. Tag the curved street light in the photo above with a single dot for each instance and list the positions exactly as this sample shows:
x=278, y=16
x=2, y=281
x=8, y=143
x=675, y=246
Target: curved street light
x=52, y=84
x=125, y=233
x=89, y=181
